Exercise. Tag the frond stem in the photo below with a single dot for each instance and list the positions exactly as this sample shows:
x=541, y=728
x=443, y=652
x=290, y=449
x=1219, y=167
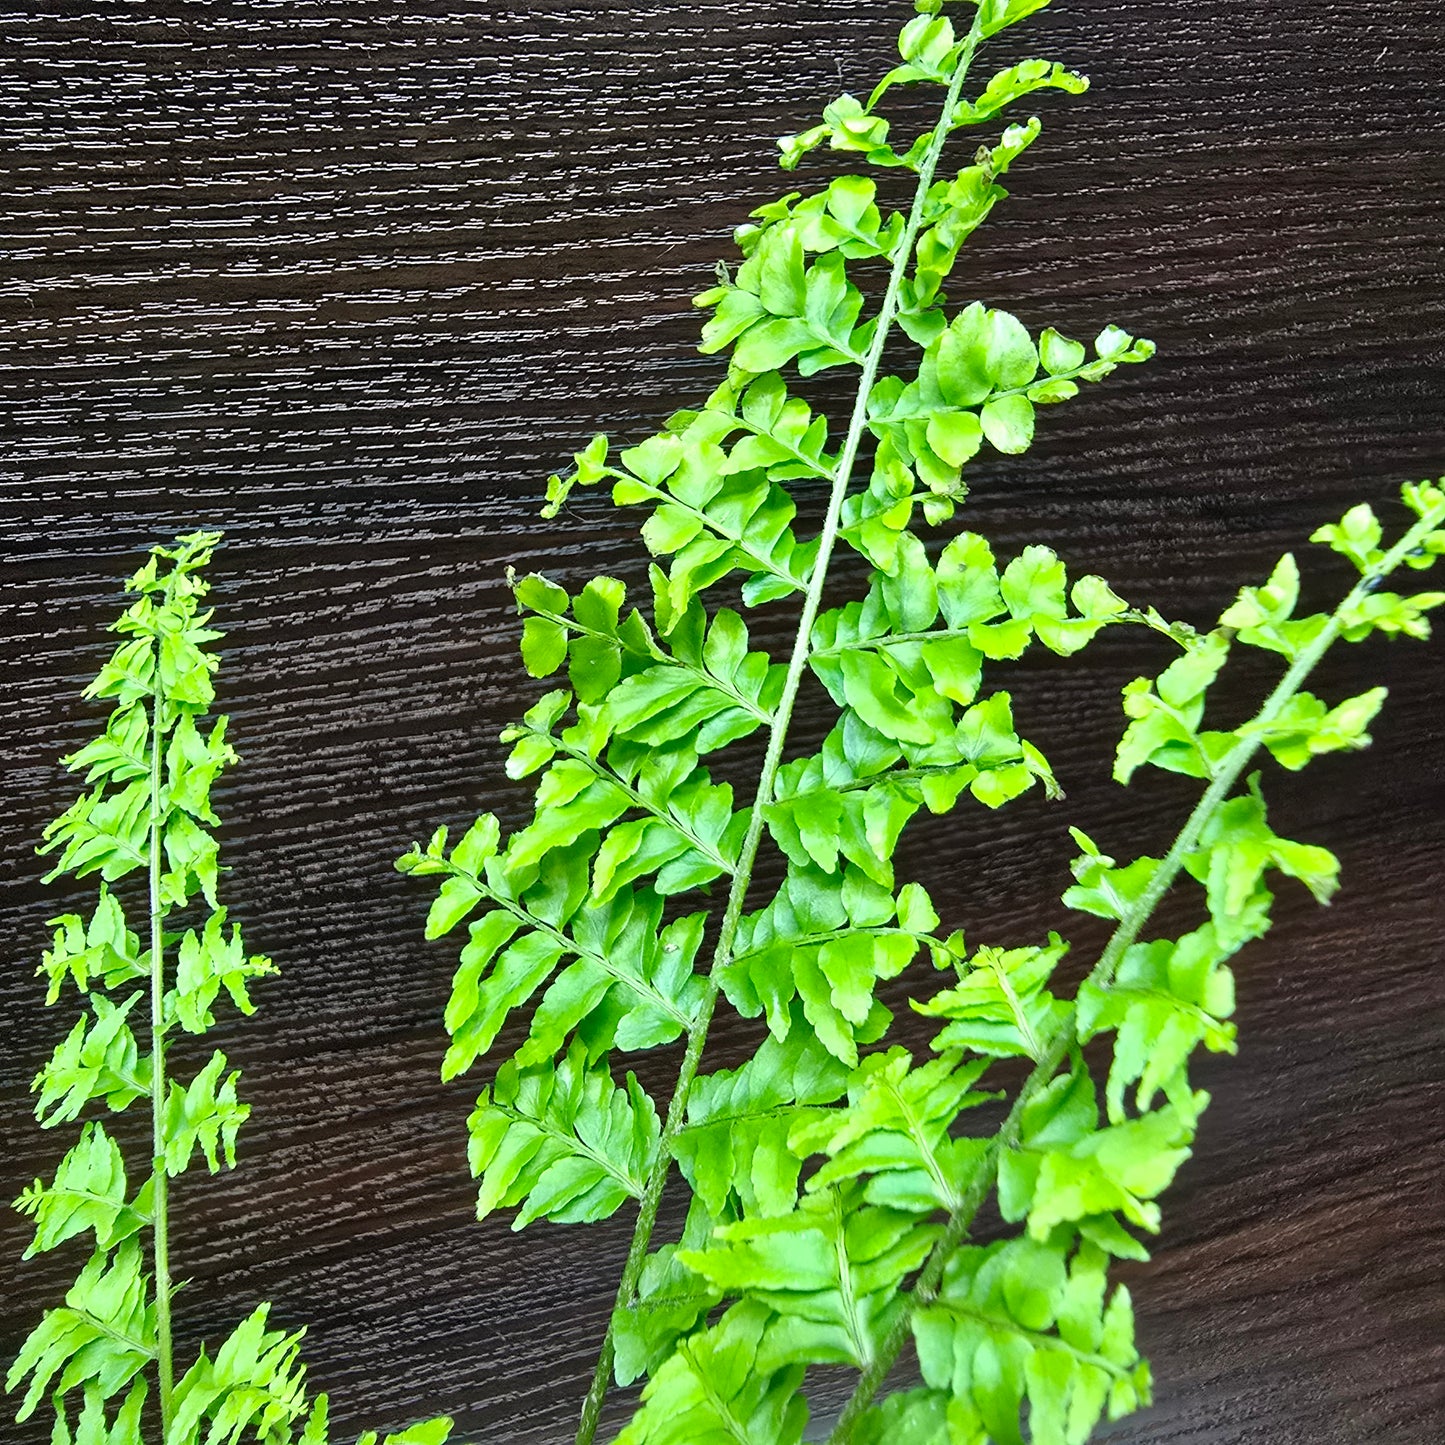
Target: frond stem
x=1133, y=617
x=119, y=1336
x=661, y=494
x=778, y=733
x=825, y=935
x=575, y=1143
x=1040, y=1340
x=701, y=673
x=813, y=464
x=160, y=1230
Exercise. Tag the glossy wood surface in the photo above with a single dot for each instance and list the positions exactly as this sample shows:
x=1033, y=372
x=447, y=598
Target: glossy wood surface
x=348, y=279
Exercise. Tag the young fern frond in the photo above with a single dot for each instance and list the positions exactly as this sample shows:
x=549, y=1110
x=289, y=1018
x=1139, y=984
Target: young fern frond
x=832, y=1187
x=1056, y=1168
x=1025, y=1328
x=147, y=814
x=627, y=814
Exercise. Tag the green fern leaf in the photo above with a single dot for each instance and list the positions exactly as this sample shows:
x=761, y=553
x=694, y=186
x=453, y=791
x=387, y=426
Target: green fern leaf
x=830, y=1269
x=895, y=1132
x=722, y=1386
x=1020, y=1326
x=102, y=1337
x=735, y=1144
x=253, y=1385
x=204, y=1115
x=563, y=1143
x=671, y=1300
x=89, y=1192
x=104, y=950
x=92, y=1427
x=1001, y=1007
x=96, y=1060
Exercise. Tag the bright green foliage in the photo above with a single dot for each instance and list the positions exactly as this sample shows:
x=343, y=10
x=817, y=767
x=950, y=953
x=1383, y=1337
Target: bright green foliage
x=89, y=1192
x=564, y=1143
x=1167, y=998
x=671, y=1298
x=728, y=1385
x=910, y=1417
x=1001, y=1007
x=826, y=940
x=895, y=1131
x=830, y=1268
x=1022, y=1321
x=627, y=980
x=734, y=1148
x=92, y=1426
x=101, y=1338
x=1025, y=1330
x=980, y=380
x=98, y=1059
x=206, y=1116
x=147, y=813
x=253, y=1386
x=103, y=949
x=833, y=1176
x=1066, y=1168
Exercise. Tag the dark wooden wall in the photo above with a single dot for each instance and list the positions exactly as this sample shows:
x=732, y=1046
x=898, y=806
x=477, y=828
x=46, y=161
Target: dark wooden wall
x=348, y=278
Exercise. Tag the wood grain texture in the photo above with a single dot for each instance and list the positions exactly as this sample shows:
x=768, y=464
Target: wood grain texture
x=348, y=279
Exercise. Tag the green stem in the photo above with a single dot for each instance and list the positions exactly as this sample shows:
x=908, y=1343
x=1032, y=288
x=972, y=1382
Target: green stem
x=160, y=1220
x=777, y=738
x=878, y=930
x=711, y=523
x=1231, y=767
x=1131, y=617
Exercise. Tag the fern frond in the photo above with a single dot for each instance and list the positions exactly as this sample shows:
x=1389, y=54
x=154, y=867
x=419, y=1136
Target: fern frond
x=1001, y=1007
x=734, y=1147
x=895, y=1131
x=723, y=1386
x=255, y=1384
x=103, y=1336
x=1071, y=1178
x=631, y=981
x=833, y=1184
x=89, y=1192
x=564, y=1143
x=147, y=811
x=104, y=950
x=672, y=1300
x=1024, y=1328
x=97, y=1059
x=830, y=1269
